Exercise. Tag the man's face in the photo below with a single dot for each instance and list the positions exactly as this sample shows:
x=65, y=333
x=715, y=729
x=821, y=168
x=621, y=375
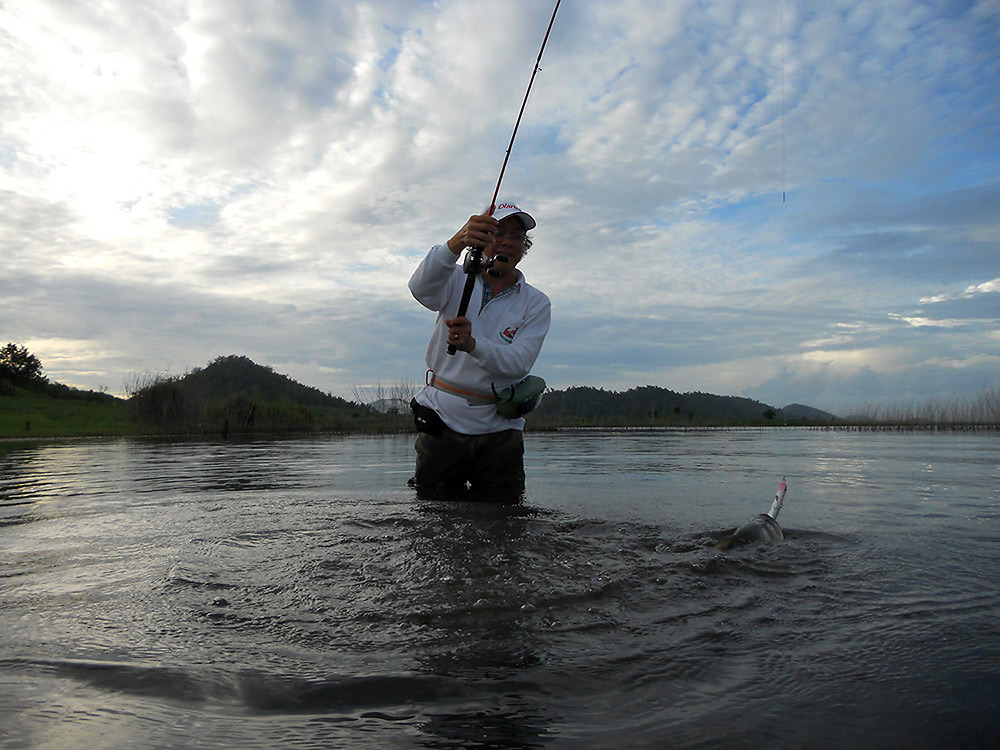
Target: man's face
x=509, y=241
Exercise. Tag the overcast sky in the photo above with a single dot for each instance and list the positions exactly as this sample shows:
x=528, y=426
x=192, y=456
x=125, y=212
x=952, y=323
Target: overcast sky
x=185, y=179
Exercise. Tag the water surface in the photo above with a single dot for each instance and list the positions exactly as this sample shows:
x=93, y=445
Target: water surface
x=296, y=593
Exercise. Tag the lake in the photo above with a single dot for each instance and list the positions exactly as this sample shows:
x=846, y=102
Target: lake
x=296, y=593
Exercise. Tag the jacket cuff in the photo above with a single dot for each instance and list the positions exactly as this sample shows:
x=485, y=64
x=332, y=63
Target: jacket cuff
x=443, y=256
x=480, y=354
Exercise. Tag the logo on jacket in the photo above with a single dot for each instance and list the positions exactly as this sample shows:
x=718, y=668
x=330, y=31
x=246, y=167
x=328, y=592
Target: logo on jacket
x=508, y=334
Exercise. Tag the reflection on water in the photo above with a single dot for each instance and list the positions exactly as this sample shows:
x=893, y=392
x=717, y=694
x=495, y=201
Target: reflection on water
x=297, y=592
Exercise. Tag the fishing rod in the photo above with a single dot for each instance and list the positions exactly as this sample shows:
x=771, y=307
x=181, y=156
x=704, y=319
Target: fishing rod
x=474, y=263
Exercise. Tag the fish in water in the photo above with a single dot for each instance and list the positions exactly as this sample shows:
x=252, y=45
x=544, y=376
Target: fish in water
x=763, y=528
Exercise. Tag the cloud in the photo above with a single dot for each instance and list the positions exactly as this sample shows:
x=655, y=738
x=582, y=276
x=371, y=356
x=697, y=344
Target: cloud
x=181, y=180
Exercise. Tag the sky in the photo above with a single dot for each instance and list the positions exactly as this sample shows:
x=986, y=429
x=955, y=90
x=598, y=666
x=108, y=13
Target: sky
x=798, y=202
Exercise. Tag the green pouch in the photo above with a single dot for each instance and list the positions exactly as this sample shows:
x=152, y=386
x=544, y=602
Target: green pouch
x=517, y=400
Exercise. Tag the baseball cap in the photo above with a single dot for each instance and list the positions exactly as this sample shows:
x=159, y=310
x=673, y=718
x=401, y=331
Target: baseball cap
x=503, y=210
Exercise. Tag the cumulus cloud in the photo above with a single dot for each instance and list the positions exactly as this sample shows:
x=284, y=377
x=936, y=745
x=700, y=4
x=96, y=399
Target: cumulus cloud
x=185, y=179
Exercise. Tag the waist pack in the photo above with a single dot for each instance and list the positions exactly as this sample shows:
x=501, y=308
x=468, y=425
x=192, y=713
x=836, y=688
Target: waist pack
x=426, y=419
x=517, y=400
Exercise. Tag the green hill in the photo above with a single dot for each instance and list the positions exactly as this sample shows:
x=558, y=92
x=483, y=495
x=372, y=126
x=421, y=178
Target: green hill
x=227, y=376
x=233, y=394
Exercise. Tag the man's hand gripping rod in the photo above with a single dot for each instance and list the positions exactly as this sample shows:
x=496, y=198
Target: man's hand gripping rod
x=474, y=264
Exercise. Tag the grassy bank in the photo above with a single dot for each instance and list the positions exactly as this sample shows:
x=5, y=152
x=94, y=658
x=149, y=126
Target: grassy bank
x=27, y=414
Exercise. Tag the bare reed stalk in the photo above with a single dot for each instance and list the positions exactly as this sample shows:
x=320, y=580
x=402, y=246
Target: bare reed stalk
x=137, y=382
x=983, y=409
x=399, y=393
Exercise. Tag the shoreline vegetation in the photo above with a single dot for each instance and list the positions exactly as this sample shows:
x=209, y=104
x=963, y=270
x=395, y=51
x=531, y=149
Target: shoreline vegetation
x=233, y=396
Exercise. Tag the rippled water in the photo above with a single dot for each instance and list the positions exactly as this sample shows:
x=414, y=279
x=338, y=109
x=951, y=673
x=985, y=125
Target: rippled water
x=297, y=594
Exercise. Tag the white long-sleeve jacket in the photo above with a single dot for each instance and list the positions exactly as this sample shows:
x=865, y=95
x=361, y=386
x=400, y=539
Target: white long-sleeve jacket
x=509, y=332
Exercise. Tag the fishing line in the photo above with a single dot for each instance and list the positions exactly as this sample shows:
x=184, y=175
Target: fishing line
x=474, y=261
x=517, y=123
x=782, y=14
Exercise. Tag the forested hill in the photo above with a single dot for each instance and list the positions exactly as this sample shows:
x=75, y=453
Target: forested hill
x=238, y=374
x=235, y=394
x=645, y=403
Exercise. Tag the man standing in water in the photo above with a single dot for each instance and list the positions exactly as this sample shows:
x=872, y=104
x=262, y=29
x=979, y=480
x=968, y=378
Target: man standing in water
x=463, y=438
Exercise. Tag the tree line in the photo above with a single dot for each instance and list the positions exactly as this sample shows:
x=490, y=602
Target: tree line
x=233, y=394
x=19, y=368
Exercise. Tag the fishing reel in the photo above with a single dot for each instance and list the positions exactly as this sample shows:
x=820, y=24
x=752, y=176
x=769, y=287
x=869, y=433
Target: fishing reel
x=474, y=263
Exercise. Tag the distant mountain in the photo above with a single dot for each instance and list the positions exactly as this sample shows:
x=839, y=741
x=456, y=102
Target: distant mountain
x=650, y=403
x=800, y=411
x=390, y=406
